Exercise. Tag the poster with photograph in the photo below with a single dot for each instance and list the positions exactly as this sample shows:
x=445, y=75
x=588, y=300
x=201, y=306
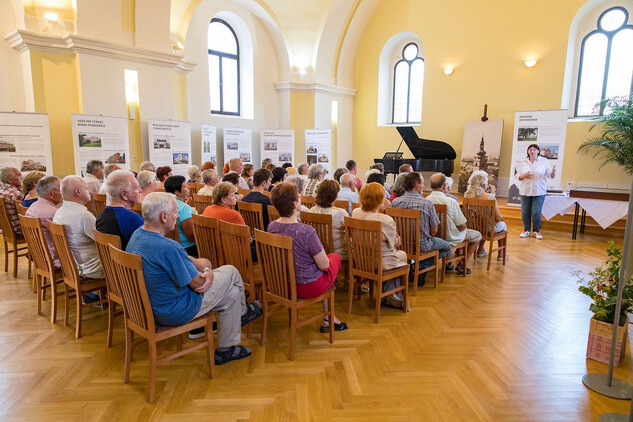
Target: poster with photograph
x=25, y=142
x=278, y=145
x=238, y=144
x=547, y=129
x=208, y=143
x=100, y=138
x=319, y=148
x=170, y=145
x=481, y=150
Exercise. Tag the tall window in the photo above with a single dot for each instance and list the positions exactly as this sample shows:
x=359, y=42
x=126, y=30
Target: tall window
x=606, y=62
x=408, y=75
x=224, y=68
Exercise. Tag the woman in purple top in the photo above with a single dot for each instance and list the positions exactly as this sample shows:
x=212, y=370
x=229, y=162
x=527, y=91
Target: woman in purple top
x=315, y=271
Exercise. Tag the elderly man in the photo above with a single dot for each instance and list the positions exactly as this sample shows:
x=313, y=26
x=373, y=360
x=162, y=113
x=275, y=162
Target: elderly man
x=210, y=179
x=11, y=179
x=456, y=231
x=106, y=172
x=348, y=190
x=236, y=166
x=397, y=189
x=261, y=182
x=147, y=166
x=316, y=173
x=94, y=175
x=148, y=183
x=118, y=218
x=50, y=197
x=181, y=288
x=353, y=168
x=412, y=199
x=302, y=171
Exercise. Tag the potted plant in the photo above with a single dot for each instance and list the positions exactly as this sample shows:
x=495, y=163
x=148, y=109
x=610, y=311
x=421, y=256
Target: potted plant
x=602, y=288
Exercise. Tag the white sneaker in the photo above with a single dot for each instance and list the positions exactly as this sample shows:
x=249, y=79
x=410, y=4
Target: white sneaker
x=525, y=234
x=538, y=235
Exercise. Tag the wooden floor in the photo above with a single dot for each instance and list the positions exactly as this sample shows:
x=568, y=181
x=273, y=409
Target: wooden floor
x=504, y=345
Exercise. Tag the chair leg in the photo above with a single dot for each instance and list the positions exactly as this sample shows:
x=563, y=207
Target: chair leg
x=331, y=316
x=378, y=299
x=15, y=261
x=30, y=263
x=350, y=293
x=179, y=342
x=40, y=292
x=293, y=333
x=405, y=294
x=111, y=306
x=416, y=274
x=53, y=302
x=437, y=268
x=152, y=371
x=66, y=305
x=465, y=260
x=489, y=256
x=262, y=339
x=6, y=257
x=129, y=342
x=79, y=315
x=210, y=347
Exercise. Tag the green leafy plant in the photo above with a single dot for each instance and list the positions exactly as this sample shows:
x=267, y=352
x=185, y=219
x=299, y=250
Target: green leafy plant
x=602, y=288
x=615, y=143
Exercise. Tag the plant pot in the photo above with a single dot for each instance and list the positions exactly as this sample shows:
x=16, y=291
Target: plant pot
x=599, y=343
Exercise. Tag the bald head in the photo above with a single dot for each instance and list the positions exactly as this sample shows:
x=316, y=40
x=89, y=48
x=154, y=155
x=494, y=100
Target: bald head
x=348, y=181
x=75, y=189
x=235, y=164
x=437, y=181
x=405, y=168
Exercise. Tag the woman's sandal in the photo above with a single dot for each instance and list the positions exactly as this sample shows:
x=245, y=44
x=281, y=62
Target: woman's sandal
x=341, y=326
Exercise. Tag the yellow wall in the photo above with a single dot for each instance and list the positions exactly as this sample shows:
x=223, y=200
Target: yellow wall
x=487, y=42
x=301, y=118
x=57, y=93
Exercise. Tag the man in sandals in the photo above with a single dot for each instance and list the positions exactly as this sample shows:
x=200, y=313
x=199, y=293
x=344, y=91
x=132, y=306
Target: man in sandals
x=182, y=288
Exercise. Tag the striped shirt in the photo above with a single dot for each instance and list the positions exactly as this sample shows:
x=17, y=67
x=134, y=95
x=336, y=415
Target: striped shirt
x=428, y=217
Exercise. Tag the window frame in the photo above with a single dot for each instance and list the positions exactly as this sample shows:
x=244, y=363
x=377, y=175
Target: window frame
x=393, y=94
x=221, y=55
x=610, y=35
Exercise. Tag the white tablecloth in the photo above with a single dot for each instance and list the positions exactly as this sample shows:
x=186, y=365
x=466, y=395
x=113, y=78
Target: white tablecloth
x=602, y=211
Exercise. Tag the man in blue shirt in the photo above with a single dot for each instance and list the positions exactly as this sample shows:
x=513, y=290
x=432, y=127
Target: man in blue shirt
x=347, y=192
x=182, y=288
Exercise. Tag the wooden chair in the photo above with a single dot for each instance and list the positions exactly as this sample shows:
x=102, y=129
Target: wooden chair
x=44, y=267
x=139, y=319
x=308, y=201
x=341, y=204
x=462, y=248
x=244, y=191
x=138, y=209
x=365, y=261
x=268, y=194
x=206, y=232
x=112, y=283
x=355, y=205
x=273, y=214
x=322, y=223
x=201, y=202
x=480, y=214
x=18, y=243
x=280, y=287
x=160, y=189
x=236, y=243
x=252, y=215
x=71, y=277
x=19, y=207
x=194, y=187
x=174, y=234
x=408, y=226
x=99, y=200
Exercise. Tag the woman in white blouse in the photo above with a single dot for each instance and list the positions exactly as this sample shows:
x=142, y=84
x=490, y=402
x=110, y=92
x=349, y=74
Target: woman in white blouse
x=534, y=172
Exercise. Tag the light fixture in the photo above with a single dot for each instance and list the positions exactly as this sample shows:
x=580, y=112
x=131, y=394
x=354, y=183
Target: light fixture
x=51, y=17
x=334, y=115
x=131, y=91
x=178, y=46
x=448, y=70
x=302, y=71
x=530, y=63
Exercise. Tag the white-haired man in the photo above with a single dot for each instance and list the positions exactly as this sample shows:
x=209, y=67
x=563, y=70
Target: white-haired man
x=182, y=288
x=117, y=217
x=210, y=179
x=106, y=172
x=11, y=179
x=50, y=197
x=348, y=190
x=94, y=175
x=316, y=173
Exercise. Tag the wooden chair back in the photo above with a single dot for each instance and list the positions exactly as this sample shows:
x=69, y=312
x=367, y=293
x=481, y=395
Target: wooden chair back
x=174, y=234
x=21, y=209
x=194, y=188
x=355, y=205
x=99, y=201
x=252, y=214
x=408, y=227
x=243, y=192
x=440, y=209
x=201, y=202
x=65, y=256
x=308, y=201
x=322, y=223
x=236, y=240
x=363, y=247
x=480, y=216
x=268, y=194
x=138, y=208
x=206, y=231
x=7, y=228
x=273, y=214
x=339, y=203
x=38, y=248
x=278, y=268
x=102, y=241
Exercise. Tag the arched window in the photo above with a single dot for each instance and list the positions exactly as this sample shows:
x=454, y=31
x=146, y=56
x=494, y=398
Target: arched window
x=408, y=77
x=224, y=68
x=606, y=62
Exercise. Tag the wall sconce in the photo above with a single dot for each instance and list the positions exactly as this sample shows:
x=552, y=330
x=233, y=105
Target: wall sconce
x=530, y=63
x=51, y=17
x=334, y=115
x=131, y=91
x=178, y=46
x=448, y=70
x=302, y=72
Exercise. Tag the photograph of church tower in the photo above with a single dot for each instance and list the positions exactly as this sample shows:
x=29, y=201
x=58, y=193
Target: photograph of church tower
x=480, y=151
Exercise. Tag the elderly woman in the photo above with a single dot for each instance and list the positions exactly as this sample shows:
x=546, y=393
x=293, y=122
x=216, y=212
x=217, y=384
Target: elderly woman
x=234, y=179
x=376, y=177
x=194, y=174
x=28, y=187
x=279, y=176
x=338, y=173
x=316, y=173
x=207, y=165
x=326, y=194
x=147, y=182
x=247, y=174
x=477, y=185
x=224, y=200
x=178, y=186
x=315, y=271
x=162, y=174
x=371, y=198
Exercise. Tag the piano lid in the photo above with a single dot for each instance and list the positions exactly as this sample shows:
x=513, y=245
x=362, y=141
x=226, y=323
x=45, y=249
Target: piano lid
x=426, y=148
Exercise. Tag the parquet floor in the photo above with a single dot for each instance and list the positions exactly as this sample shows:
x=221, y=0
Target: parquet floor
x=504, y=345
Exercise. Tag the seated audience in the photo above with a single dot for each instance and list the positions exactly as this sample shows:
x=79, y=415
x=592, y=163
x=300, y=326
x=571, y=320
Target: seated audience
x=315, y=271
x=477, y=185
x=397, y=190
x=247, y=174
x=148, y=183
x=326, y=194
x=261, y=180
x=162, y=174
x=195, y=176
x=338, y=173
x=181, y=288
x=106, y=172
x=371, y=197
x=353, y=168
x=236, y=166
x=117, y=218
x=381, y=169
x=234, y=179
x=301, y=185
x=348, y=190
x=412, y=199
x=11, y=180
x=279, y=176
x=225, y=169
x=302, y=171
x=49, y=198
x=266, y=162
x=286, y=165
x=447, y=191
x=224, y=201
x=380, y=179
x=456, y=231
x=29, y=183
x=291, y=171
x=207, y=165
x=316, y=173
x=147, y=166
x=178, y=186
x=94, y=175
x=210, y=179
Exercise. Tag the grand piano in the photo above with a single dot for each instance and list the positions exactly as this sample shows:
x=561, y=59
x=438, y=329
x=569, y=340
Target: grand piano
x=435, y=156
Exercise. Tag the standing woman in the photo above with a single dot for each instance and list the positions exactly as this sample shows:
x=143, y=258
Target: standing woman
x=535, y=171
